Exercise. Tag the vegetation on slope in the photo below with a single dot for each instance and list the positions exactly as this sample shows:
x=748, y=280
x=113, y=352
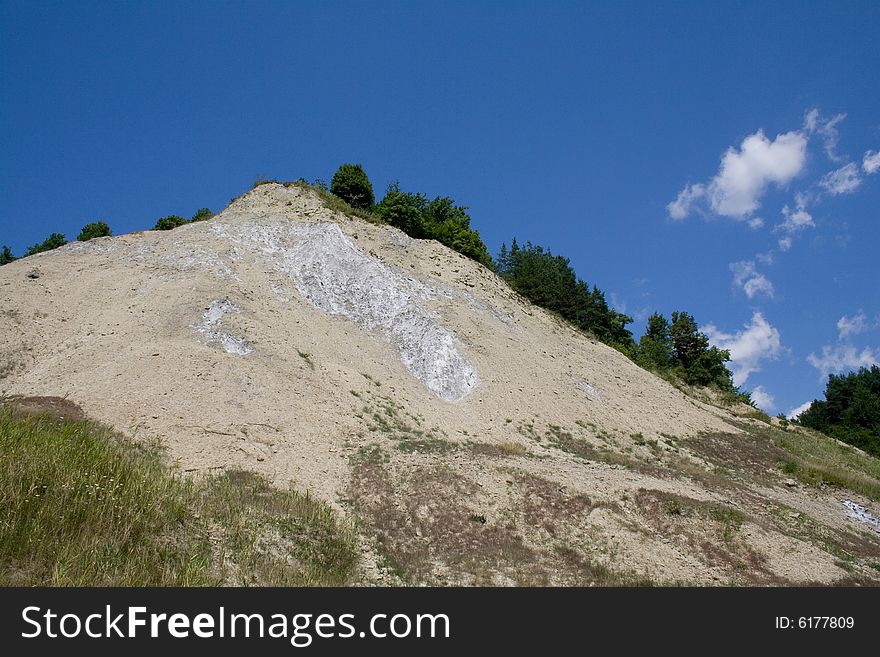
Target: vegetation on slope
x=83, y=506
x=850, y=411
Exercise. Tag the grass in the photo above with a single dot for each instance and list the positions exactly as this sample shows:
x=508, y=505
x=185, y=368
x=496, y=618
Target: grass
x=816, y=459
x=83, y=506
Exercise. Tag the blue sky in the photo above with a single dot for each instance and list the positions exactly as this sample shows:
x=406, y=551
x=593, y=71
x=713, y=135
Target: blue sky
x=644, y=140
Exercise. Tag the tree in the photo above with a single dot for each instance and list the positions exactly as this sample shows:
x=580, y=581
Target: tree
x=203, y=214
x=549, y=281
x=350, y=183
x=404, y=210
x=697, y=362
x=850, y=411
x=170, y=222
x=450, y=224
x=655, y=346
x=52, y=242
x=93, y=230
x=6, y=256
x=687, y=342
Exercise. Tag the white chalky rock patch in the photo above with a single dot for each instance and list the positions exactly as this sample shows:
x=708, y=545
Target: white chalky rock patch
x=212, y=317
x=861, y=514
x=333, y=274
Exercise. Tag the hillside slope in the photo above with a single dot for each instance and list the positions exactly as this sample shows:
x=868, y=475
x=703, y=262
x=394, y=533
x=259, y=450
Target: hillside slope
x=475, y=438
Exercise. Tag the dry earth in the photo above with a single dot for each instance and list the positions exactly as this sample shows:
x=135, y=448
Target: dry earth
x=473, y=438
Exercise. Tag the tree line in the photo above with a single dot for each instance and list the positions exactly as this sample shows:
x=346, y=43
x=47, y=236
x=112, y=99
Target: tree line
x=96, y=229
x=850, y=411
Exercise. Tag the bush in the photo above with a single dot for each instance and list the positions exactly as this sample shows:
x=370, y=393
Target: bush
x=439, y=219
x=93, y=230
x=52, y=242
x=350, y=183
x=168, y=223
x=202, y=214
x=404, y=210
x=6, y=256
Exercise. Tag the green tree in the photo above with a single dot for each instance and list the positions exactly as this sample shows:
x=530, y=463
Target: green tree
x=93, y=230
x=404, y=210
x=450, y=224
x=697, y=362
x=655, y=346
x=170, y=222
x=6, y=256
x=549, y=281
x=351, y=184
x=202, y=214
x=687, y=341
x=52, y=242
x=850, y=411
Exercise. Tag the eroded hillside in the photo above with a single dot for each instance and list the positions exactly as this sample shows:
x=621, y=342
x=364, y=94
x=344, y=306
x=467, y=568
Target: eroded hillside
x=472, y=438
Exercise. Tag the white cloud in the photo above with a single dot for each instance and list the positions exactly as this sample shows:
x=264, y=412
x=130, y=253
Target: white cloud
x=766, y=258
x=763, y=399
x=681, y=206
x=844, y=180
x=745, y=174
x=755, y=223
x=752, y=282
x=826, y=129
x=871, y=162
x=811, y=120
x=793, y=413
x=795, y=221
x=757, y=341
x=847, y=326
x=839, y=358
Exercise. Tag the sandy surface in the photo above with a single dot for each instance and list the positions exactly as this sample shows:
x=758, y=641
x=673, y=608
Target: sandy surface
x=258, y=338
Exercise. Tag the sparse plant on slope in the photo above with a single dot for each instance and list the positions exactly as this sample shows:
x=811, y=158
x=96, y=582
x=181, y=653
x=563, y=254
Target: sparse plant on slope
x=93, y=230
x=351, y=184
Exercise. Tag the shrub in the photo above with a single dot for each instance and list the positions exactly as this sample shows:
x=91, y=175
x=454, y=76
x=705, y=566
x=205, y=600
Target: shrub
x=439, y=219
x=6, y=256
x=350, y=183
x=203, y=214
x=168, y=223
x=404, y=210
x=93, y=230
x=52, y=242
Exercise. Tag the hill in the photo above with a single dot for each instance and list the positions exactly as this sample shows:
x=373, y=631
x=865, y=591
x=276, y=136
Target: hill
x=472, y=437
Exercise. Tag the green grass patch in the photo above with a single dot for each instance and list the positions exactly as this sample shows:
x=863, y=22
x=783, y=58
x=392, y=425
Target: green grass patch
x=83, y=506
